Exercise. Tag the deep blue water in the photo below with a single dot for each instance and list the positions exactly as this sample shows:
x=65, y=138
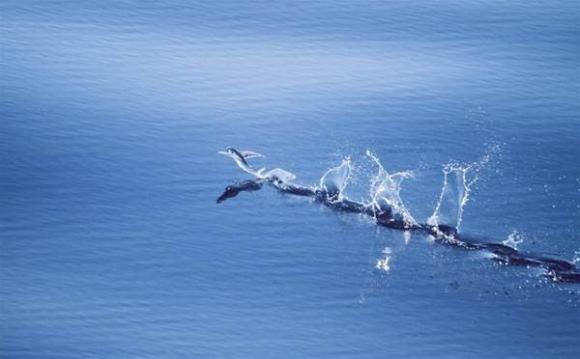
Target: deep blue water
x=111, y=116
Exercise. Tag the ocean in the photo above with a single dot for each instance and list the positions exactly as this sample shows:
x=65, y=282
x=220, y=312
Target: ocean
x=112, y=114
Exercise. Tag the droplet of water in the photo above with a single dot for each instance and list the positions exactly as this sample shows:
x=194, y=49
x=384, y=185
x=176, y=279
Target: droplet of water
x=384, y=263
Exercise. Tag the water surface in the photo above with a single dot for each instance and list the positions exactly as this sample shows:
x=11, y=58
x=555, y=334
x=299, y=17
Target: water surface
x=112, y=114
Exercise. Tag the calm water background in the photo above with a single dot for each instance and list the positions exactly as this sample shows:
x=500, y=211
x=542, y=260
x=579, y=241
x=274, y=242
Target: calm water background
x=111, y=114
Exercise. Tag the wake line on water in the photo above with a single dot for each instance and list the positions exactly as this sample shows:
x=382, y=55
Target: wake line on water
x=386, y=206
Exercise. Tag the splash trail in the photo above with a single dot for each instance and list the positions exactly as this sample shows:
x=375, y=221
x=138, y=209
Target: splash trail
x=387, y=208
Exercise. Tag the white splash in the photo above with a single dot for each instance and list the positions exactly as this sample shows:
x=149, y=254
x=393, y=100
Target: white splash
x=454, y=196
x=384, y=263
x=334, y=181
x=276, y=174
x=385, y=191
x=514, y=239
x=458, y=181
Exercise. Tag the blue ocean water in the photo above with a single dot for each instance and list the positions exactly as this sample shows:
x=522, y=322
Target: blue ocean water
x=111, y=116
